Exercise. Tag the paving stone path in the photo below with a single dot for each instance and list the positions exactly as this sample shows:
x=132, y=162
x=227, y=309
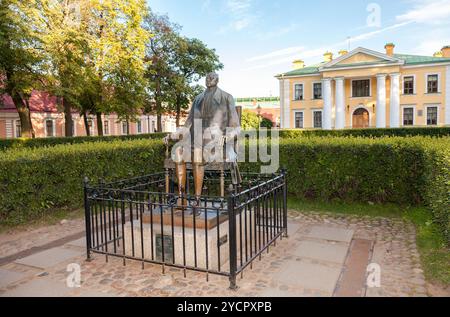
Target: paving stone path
x=325, y=255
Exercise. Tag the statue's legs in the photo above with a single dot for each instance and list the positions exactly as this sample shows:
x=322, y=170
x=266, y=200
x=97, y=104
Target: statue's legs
x=180, y=171
x=199, y=174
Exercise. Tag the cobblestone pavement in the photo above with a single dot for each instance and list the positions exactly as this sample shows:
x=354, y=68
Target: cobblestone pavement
x=394, y=250
x=12, y=242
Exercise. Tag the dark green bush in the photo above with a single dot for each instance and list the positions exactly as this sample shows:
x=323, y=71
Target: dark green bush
x=410, y=171
x=33, y=181
x=374, y=133
x=42, y=142
x=407, y=171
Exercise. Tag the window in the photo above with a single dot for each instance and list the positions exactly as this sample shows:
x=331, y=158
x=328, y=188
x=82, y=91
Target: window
x=361, y=88
x=432, y=84
x=49, y=131
x=317, y=90
x=74, y=122
x=299, y=120
x=18, y=129
x=106, y=127
x=153, y=126
x=408, y=116
x=408, y=85
x=432, y=116
x=91, y=126
x=298, y=92
x=139, y=126
x=124, y=127
x=317, y=119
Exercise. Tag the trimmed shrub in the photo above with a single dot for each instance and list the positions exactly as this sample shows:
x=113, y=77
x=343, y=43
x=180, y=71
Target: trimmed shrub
x=34, y=181
x=6, y=144
x=407, y=171
x=410, y=171
x=374, y=133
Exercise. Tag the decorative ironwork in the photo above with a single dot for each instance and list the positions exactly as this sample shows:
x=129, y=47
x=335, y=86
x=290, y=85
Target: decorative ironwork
x=137, y=219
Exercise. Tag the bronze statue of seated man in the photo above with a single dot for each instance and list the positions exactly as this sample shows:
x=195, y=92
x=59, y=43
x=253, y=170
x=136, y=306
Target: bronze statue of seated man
x=212, y=123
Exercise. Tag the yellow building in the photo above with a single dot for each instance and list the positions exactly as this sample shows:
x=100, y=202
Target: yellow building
x=365, y=88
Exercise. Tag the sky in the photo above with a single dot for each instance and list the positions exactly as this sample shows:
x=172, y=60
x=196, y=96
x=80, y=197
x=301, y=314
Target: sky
x=258, y=39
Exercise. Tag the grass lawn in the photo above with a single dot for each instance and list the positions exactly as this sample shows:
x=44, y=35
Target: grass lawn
x=435, y=255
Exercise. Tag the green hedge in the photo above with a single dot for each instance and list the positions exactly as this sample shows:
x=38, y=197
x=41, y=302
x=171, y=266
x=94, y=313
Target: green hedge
x=408, y=171
x=6, y=144
x=400, y=132
x=286, y=134
x=34, y=181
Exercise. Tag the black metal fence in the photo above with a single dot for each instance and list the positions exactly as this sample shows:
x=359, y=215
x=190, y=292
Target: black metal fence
x=142, y=219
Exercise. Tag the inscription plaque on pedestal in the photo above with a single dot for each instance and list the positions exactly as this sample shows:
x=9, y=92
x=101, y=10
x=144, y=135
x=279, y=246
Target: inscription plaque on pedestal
x=168, y=250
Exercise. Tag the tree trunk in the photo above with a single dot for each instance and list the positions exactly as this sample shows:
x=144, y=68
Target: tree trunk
x=158, y=106
x=86, y=124
x=99, y=124
x=178, y=108
x=68, y=125
x=23, y=109
x=159, y=122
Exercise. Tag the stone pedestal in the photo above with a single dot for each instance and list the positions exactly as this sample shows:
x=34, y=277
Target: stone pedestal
x=209, y=241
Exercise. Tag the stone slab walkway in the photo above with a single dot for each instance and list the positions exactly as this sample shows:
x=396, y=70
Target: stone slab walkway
x=312, y=262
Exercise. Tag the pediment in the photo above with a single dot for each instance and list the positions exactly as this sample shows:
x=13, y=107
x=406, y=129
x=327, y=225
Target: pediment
x=361, y=56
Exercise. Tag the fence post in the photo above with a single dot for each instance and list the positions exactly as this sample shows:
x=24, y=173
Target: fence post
x=87, y=215
x=284, y=173
x=232, y=240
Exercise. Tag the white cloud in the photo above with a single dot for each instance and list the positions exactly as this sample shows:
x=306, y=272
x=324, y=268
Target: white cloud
x=292, y=53
x=427, y=11
x=241, y=15
x=278, y=32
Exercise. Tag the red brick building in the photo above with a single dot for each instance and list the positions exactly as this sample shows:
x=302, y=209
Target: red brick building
x=48, y=120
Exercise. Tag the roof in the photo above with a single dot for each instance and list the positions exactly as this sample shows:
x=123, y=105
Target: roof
x=405, y=59
x=39, y=102
x=418, y=59
x=313, y=69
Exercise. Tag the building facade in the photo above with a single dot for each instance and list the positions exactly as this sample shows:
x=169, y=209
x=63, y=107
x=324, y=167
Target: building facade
x=367, y=89
x=48, y=120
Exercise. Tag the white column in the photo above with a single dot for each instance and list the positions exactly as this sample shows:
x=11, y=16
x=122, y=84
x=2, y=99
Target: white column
x=394, y=115
x=281, y=82
x=327, y=107
x=447, y=96
x=381, y=101
x=340, y=103
x=285, y=104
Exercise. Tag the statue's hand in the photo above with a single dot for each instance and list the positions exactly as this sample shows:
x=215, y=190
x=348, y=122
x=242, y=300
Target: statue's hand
x=166, y=140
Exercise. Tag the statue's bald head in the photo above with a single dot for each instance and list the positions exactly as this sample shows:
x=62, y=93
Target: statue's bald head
x=212, y=79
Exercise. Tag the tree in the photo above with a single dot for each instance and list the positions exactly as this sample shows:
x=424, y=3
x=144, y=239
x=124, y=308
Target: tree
x=266, y=123
x=249, y=120
x=22, y=59
x=117, y=58
x=160, y=51
x=67, y=44
x=192, y=60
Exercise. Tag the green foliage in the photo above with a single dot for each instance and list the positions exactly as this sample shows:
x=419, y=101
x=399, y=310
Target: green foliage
x=177, y=64
x=6, y=144
x=35, y=181
x=406, y=171
x=22, y=59
x=266, y=123
x=249, y=120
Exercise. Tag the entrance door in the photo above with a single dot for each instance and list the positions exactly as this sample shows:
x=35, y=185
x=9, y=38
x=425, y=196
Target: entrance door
x=360, y=118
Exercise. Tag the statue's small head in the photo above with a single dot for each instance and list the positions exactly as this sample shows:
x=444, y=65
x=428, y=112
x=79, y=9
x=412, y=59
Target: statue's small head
x=212, y=79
